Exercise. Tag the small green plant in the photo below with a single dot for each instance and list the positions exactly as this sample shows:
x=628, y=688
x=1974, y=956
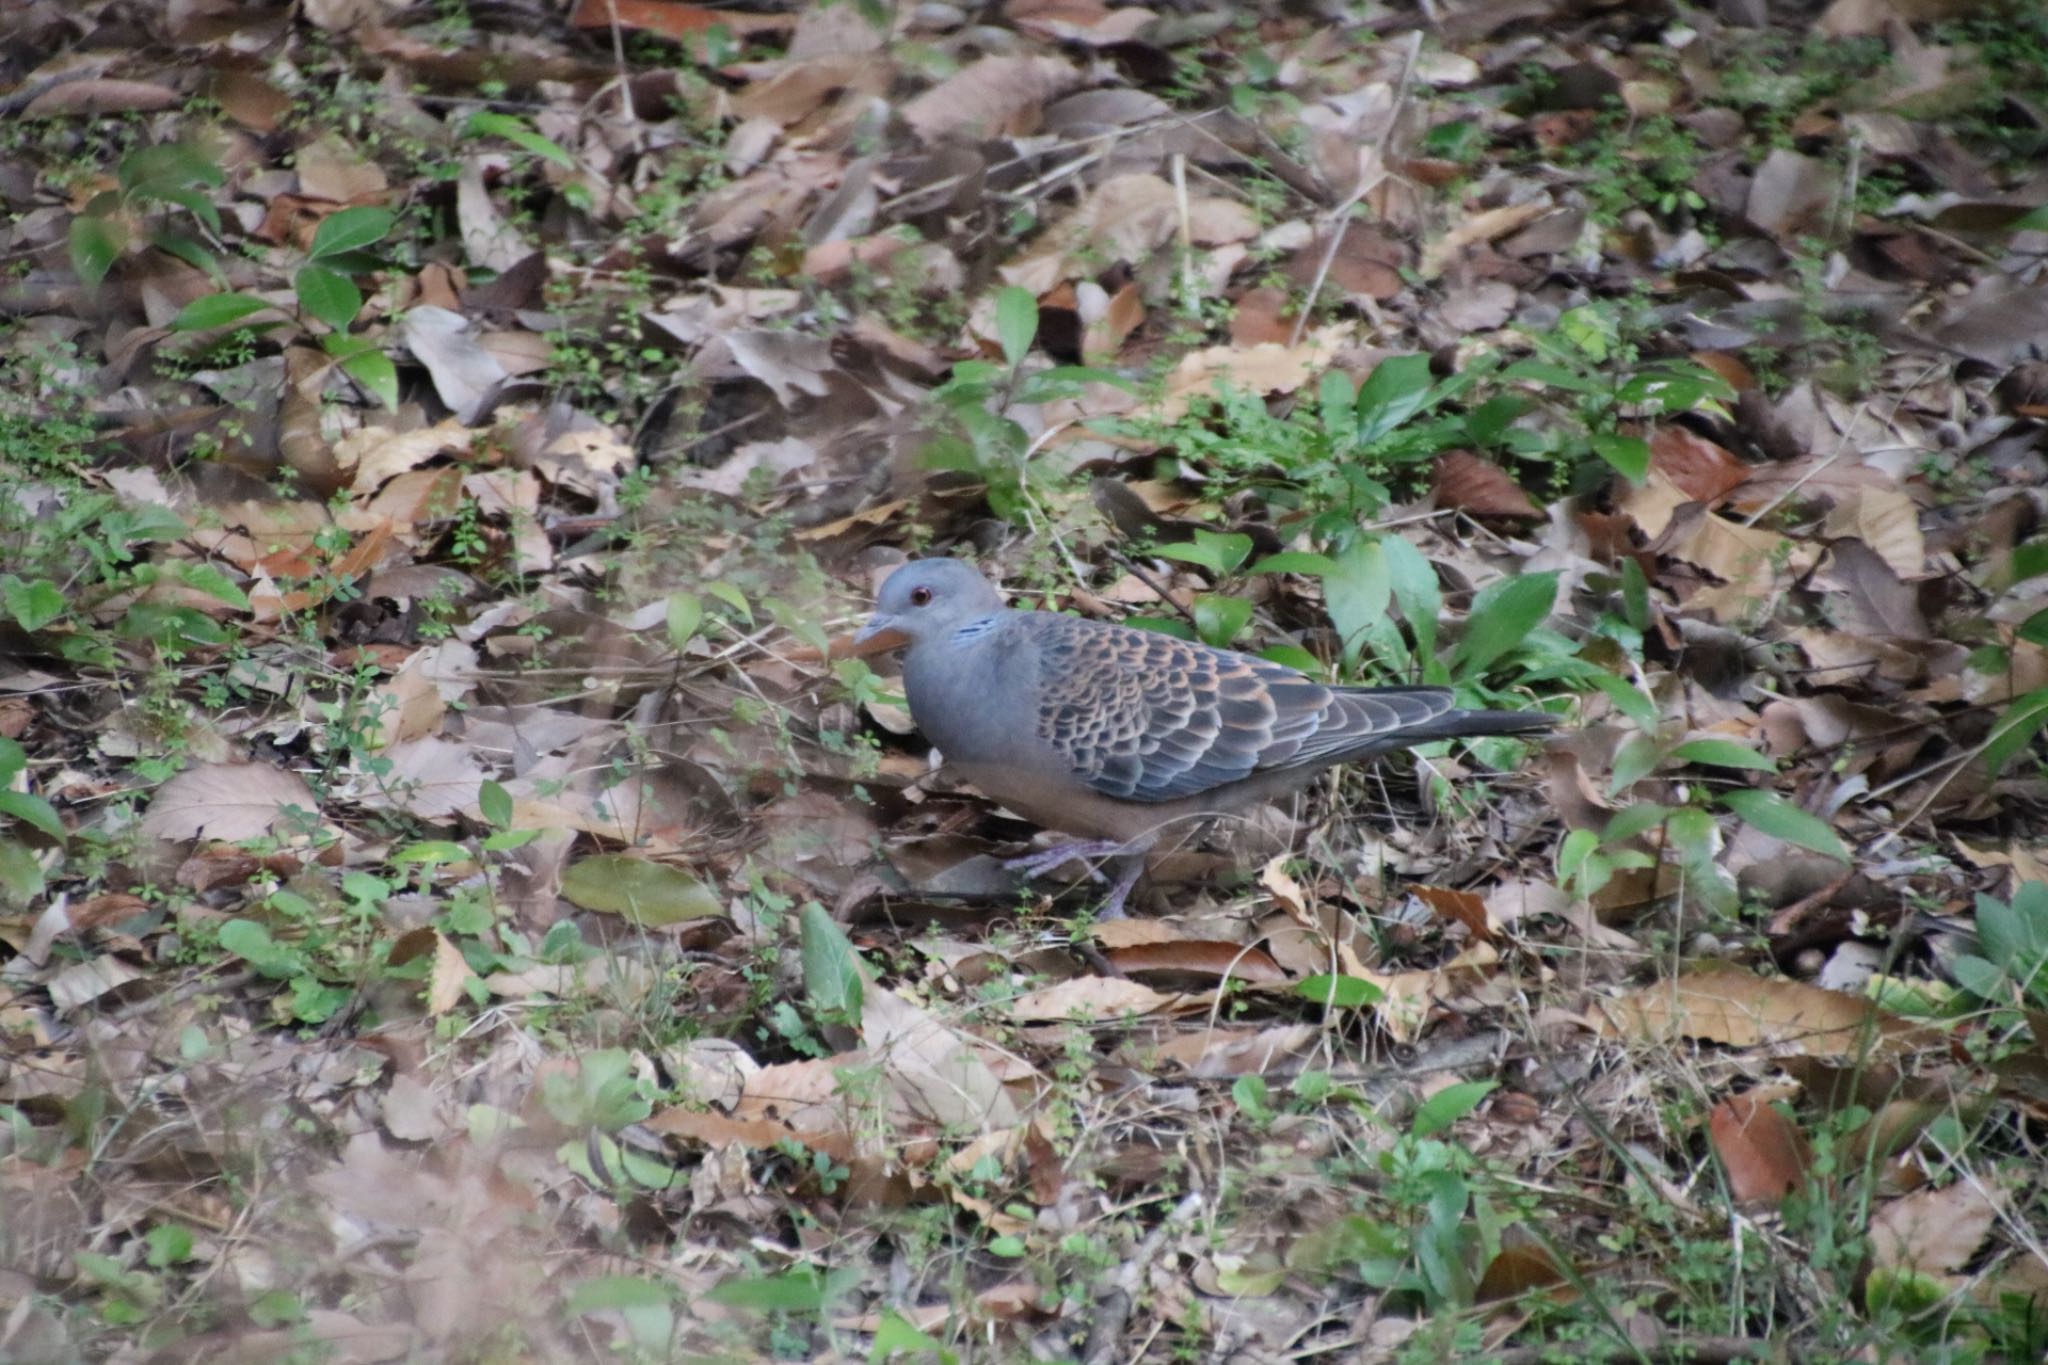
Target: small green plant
x=326, y=292
x=148, y=180
x=979, y=439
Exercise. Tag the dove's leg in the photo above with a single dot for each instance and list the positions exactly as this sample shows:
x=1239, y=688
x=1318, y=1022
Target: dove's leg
x=1087, y=850
x=1126, y=878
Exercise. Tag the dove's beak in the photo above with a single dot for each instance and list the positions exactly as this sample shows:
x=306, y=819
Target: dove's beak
x=880, y=635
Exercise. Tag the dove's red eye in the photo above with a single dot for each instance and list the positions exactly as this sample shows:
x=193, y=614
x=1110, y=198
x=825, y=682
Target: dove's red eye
x=920, y=596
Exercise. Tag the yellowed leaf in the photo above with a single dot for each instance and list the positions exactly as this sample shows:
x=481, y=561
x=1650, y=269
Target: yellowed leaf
x=447, y=985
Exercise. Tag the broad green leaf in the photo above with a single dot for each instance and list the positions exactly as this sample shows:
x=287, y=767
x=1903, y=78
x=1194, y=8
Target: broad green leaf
x=617, y=1291
x=1572, y=852
x=685, y=616
x=1626, y=698
x=1630, y=821
x=1396, y=390
x=2034, y=220
x=646, y=893
x=732, y=597
x=214, y=582
x=1219, y=619
x=794, y=1291
x=1723, y=753
x=2015, y=728
x=2034, y=630
x=13, y=758
x=1296, y=658
x=1502, y=616
x=1630, y=455
x=832, y=973
x=33, y=810
x=1341, y=992
x=1356, y=592
x=1220, y=552
x=1294, y=561
x=251, y=942
x=33, y=605
x=374, y=371
x=1636, y=759
x=490, y=123
x=217, y=310
x=96, y=243
x=21, y=873
x=1413, y=579
x=494, y=803
x=1781, y=819
x=350, y=229
x=328, y=295
x=1448, y=1105
x=1016, y=322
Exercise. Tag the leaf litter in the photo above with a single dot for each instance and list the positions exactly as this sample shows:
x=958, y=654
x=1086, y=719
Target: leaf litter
x=460, y=890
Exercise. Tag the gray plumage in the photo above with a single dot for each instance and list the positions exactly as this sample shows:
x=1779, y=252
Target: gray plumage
x=1117, y=733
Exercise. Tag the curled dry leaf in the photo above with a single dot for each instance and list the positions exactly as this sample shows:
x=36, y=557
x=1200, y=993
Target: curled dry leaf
x=1469, y=484
x=1726, y=1004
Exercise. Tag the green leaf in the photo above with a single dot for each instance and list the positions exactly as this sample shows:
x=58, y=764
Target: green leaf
x=832, y=973
x=214, y=582
x=489, y=123
x=1633, y=820
x=374, y=371
x=1356, y=593
x=328, y=295
x=2034, y=220
x=1296, y=658
x=793, y=1291
x=2034, y=630
x=615, y=1292
x=1723, y=753
x=1635, y=594
x=1448, y=1105
x=1502, y=616
x=33, y=605
x=1220, y=552
x=732, y=597
x=33, y=810
x=647, y=893
x=1396, y=390
x=1413, y=579
x=251, y=942
x=1219, y=619
x=1636, y=759
x=217, y=310
x=893, y=1334
x=350, y=229
x=1339, y=992
x=1294, y=561
x=96, y=243
x=1781, y=819
x=2015, y=728
x=494, y=803
x=21, y=873
x=1628, y=454
x=13, y=759
x=1016, y=322
x=1626, y=697
x=685, y=616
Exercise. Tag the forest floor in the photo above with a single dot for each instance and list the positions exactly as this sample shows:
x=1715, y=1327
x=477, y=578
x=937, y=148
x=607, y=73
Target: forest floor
x=462, y=898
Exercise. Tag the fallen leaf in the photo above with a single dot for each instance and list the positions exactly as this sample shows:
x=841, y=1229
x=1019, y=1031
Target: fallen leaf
x=1764, y=1153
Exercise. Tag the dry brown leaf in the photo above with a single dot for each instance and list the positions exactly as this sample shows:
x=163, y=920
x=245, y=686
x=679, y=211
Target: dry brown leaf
x=1088, y=997
x=1487, y=225
x=447, y=984
x=1262, y=369
x=228, y=801
x=1936, y=1231
x=1888, y=522
x=935, y=1068
x=989, y=97
x=1764, y=1153
x=1199, y=957
x=1218, y=1052
x=1468, y=483
x=1699, y=468
x=1726, y=1004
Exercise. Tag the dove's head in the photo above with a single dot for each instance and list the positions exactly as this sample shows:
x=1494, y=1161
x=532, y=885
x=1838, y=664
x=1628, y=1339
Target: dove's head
x=929, y=599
